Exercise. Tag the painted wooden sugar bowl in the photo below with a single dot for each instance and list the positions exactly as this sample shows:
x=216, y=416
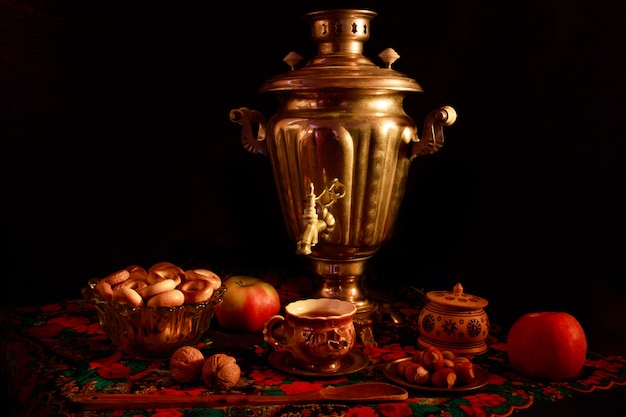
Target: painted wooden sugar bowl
x=455, y=321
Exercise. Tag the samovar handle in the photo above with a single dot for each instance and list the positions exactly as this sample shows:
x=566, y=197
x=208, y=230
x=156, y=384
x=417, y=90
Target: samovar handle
x=432, y=138
x=246, y=117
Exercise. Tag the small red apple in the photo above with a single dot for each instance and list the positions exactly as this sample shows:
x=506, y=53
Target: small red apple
x=547, y=345
x=248, y=303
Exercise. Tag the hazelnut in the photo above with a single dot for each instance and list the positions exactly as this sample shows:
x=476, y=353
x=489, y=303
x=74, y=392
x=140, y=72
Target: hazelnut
x=402, y=366
x=443, y=378
x=220, y=372
x=432, y=359
x=447, y=354
x=416, y=373
x=464, y=370
x=186, y=364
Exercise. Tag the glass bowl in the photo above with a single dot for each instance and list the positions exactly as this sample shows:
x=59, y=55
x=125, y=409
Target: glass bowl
x=152, y=332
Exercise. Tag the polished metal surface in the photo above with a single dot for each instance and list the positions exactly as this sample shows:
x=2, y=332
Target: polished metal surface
x=341, y=145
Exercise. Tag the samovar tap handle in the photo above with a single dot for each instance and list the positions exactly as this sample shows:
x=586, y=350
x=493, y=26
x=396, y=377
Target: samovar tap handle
x=313, y=225
x=330, y=195
x=246, y=118
x=432, y=138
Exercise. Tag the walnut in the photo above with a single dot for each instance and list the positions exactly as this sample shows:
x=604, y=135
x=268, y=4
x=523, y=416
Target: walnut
x=220, y=372
x=186, y=364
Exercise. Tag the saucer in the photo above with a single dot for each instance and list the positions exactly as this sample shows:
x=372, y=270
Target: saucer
x=354, y=361
x=391, y=372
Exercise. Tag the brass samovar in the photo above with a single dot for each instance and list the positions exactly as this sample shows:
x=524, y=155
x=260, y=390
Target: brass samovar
x=340, y=146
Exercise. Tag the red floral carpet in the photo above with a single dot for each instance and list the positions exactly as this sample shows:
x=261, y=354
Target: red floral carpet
x=49, y=353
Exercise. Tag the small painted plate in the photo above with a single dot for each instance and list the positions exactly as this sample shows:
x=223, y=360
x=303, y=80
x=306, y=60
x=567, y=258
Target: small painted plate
x=352, y=362
x=481, y=377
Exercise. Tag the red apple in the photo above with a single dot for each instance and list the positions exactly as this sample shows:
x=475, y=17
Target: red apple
x=547, y=345
x=248, y=303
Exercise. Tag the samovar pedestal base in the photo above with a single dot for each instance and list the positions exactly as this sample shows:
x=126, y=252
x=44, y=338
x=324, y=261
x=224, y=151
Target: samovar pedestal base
x=343, y=279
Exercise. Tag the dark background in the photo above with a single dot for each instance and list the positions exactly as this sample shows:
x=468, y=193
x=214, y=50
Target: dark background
x=117, y=147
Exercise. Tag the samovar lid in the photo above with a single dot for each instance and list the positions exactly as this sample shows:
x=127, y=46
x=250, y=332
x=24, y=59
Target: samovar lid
x=340, y=63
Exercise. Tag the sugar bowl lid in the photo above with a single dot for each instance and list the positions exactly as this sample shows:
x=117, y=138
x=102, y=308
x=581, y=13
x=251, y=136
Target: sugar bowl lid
x=457, y=298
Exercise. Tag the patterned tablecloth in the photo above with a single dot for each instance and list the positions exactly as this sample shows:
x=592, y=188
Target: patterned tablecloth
x=51, y=352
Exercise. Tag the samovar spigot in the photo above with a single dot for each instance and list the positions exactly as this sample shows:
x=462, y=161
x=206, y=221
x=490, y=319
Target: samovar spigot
x=313, y=225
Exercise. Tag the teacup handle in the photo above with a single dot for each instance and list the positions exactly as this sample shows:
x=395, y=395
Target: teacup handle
x=274, y=323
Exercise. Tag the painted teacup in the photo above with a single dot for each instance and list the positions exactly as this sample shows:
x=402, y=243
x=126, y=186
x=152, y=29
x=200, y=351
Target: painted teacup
x=318, y=332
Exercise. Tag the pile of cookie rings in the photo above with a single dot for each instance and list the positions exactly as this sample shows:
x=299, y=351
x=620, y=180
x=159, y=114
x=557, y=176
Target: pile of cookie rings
x=162, y=285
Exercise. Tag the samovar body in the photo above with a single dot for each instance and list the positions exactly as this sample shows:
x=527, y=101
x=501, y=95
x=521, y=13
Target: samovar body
x=352, y=157
x=340, y=146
